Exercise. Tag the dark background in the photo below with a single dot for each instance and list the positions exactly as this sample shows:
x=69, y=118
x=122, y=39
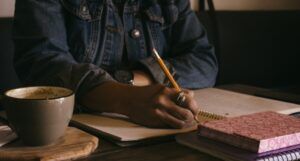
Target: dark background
x=259, y=48
x=8, y=78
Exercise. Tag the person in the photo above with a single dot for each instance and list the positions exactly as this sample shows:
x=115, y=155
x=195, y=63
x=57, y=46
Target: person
x=101, y=49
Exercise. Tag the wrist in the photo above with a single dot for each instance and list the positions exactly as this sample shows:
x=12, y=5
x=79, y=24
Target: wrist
x=124, y=76
x=142, y=78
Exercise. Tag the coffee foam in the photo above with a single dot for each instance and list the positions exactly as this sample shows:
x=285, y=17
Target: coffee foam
x=39, y=93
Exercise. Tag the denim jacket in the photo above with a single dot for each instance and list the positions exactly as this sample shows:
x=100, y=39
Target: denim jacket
x=73, y=43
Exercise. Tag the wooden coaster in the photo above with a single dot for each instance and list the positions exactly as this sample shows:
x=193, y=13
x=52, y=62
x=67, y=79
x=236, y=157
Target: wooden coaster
x=75, y=144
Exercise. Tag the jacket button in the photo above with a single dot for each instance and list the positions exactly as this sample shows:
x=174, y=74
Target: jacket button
x=135, y=33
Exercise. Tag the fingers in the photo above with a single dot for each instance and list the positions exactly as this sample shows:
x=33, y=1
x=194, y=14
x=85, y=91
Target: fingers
x=169, y=119
x=163, y=102
x=188, y=92
x=173, y=114
x=190, y=103
x=155, y=106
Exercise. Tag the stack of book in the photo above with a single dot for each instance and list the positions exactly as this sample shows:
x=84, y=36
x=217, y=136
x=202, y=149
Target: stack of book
x=264, y=136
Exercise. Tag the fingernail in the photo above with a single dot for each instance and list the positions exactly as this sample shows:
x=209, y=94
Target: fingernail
x=196, y=119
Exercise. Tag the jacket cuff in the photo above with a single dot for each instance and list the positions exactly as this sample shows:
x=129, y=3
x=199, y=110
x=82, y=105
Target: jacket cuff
x=94, y=76
x=91, y=79
x=81, y=78
x=157, y=73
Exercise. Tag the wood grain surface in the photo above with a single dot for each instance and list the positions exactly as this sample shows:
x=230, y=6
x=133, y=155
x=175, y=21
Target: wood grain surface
x=75, y=144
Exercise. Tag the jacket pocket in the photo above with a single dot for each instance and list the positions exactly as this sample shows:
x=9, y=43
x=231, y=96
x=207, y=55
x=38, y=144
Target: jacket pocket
x=87, y=10
x=154, y=14
x=165, y=14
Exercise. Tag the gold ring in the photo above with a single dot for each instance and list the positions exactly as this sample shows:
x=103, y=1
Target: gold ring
x=180, y=98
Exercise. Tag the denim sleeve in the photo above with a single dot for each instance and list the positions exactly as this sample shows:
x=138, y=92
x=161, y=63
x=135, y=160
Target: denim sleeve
x=41, y=52
x=192, y=57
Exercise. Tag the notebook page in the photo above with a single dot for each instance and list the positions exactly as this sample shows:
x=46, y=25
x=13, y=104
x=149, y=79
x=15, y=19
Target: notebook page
x=232, y=104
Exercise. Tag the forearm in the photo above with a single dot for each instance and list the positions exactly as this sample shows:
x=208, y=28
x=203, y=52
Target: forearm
x=108, y=97
x=149, y=105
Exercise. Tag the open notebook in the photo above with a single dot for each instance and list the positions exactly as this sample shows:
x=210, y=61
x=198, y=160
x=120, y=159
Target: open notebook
x=215, y=103
x=119, y=128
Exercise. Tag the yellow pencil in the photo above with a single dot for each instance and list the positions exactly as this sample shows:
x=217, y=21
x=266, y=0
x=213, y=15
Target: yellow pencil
x=181, y=96
x=166, y=70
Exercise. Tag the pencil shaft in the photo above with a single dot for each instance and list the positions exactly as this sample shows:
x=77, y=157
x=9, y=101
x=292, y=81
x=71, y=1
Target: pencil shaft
x=166, y=70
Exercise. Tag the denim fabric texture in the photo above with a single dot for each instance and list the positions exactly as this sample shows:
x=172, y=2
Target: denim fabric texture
x=75, y=43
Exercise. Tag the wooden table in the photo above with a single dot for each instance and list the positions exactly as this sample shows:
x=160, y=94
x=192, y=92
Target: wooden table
x=163, y=151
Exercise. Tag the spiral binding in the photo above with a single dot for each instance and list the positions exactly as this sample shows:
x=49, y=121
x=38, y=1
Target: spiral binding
x=207, y=116
x=289, y=155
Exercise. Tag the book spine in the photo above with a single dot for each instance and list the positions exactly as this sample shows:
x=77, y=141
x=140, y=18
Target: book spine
x=234, y=140
x=292, y=155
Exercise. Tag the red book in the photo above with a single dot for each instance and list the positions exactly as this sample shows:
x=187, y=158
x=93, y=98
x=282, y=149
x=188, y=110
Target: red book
x=260, y=132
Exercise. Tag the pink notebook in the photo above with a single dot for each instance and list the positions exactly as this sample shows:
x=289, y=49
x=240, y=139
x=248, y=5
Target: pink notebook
x=260, y=132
